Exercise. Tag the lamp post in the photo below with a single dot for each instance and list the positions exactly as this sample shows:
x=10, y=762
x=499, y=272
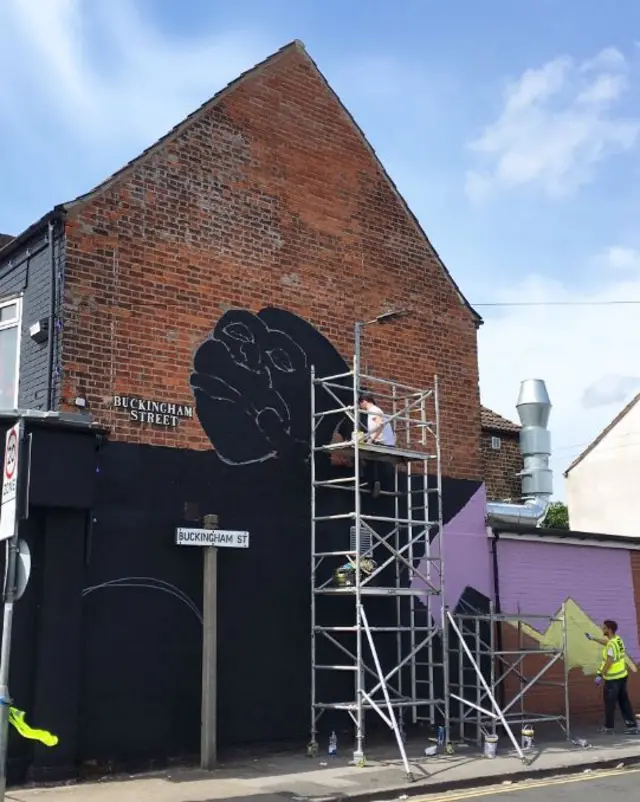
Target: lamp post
x=385, y=317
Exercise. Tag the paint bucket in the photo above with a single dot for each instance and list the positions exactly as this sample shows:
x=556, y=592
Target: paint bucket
x=527, y=738
x=490, y=746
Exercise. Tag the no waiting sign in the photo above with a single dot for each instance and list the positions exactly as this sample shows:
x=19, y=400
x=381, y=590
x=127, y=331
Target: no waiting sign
x=10, y=483
x=10, y=471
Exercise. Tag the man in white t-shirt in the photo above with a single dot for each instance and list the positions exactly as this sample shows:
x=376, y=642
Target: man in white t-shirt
x=380, y=431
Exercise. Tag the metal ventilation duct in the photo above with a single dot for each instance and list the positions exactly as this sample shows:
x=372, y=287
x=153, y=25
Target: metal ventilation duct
x=534, y=408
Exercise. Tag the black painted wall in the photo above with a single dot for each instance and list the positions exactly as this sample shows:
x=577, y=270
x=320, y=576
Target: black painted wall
x=27, y=271
x=108, y=635
x=46, y=656
x=141, y=634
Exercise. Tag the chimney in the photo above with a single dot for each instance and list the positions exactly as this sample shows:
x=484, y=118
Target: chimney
x=534, y=408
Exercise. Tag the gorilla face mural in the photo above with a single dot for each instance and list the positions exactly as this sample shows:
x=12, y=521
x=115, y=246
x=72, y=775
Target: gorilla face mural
x=251, y=383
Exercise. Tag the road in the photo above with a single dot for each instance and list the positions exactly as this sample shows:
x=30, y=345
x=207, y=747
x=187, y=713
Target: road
x=592, y=787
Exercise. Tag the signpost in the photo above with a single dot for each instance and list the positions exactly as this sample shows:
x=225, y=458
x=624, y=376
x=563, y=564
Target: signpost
x=211, y=539
x=9, y=519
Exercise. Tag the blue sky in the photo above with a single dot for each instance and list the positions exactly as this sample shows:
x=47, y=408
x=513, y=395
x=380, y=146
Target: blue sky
x=512, y=129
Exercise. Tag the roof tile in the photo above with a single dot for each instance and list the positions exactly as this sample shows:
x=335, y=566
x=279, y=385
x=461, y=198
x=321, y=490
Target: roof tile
x=496, y=423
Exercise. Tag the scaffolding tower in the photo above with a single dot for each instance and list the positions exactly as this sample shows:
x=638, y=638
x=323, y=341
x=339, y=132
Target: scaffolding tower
x=377, y=565
x=496, y=680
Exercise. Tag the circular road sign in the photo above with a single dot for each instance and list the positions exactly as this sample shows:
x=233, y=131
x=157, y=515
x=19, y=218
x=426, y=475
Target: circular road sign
x=11, y=455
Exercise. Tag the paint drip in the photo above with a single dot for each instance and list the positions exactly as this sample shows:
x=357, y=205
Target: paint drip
x=490, y=746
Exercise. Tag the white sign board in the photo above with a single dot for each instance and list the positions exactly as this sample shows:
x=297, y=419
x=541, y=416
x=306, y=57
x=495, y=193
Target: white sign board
x=9, y=484
x=221, y=538
x=23, y=569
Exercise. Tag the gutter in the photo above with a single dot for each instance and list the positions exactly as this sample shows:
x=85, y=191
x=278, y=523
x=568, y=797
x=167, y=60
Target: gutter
x=498, y=609
x=52, y=316
x=54, y=216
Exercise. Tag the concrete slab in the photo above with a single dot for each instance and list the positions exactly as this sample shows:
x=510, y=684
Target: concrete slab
x=295, y=777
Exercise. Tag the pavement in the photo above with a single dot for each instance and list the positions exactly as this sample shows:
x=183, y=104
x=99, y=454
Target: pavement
x=294, y=777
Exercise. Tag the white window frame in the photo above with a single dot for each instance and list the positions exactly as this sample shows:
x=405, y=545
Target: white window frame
x=10, y=324
x=496, y=443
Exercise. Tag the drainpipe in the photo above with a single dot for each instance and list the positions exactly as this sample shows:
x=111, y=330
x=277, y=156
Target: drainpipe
x=52, y=319
x=498, y=606
x=534, y=408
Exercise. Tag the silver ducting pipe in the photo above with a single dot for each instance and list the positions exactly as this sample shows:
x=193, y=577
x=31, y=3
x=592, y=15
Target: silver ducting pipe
x=534, y=408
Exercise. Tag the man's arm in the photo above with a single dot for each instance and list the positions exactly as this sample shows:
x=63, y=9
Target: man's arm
x=606, y=666
x=378, y=425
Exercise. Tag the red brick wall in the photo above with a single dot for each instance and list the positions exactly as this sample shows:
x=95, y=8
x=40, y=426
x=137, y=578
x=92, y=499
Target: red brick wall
x=499, y=467
x=268, y=197
x=585, y=697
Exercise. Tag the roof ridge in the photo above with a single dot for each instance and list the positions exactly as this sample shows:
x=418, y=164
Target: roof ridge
x=295, y=44
x=407, y=209
x=611, y=425
x=179, y=127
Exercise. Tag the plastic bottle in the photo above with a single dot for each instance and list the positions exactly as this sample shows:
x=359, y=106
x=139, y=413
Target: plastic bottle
x=333, y=745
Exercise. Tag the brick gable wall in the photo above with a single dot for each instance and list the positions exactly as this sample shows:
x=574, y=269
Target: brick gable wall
x=500, y=466
x=268, y=197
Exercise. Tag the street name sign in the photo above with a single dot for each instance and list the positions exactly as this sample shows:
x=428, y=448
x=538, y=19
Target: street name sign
x=220, y=538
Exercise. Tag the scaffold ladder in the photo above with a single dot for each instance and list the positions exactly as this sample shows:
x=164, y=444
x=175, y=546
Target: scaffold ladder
x=400, y=544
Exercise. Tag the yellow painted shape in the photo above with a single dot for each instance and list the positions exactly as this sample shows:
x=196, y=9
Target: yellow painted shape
x=582, y=653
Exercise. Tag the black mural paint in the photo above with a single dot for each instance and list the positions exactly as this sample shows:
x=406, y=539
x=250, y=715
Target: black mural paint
x=251, y=383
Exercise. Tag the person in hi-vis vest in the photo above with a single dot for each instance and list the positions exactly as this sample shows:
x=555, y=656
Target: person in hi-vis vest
x=615, y=675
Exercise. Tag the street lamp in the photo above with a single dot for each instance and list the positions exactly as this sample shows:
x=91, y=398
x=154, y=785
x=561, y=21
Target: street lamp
x=385, y=317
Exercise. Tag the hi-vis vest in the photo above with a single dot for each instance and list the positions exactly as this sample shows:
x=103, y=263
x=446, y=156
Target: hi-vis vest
x=618, y=668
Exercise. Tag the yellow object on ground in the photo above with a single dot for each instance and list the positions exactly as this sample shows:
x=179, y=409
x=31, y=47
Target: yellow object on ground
x=16, y=717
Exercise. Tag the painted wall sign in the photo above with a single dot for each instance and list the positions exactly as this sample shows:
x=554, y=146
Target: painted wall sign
x=223, y=538
x=159, y=413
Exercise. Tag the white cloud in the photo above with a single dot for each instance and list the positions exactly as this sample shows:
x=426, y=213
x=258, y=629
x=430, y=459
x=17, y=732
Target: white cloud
x=610, y=389
x=621, y=258
x=86, y=86
x=587, y=355
x=608, y=58
x=100, y=72
x=557, y=123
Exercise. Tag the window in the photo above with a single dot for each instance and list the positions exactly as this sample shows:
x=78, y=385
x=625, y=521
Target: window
x=9, y=352
x=496, y=443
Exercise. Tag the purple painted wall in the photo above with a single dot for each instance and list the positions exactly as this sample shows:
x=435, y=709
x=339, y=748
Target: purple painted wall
x=536, y=577
x=540, y=577
x=467, y=555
